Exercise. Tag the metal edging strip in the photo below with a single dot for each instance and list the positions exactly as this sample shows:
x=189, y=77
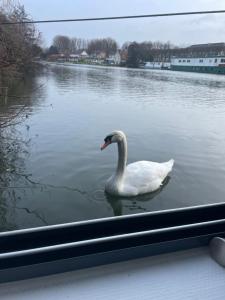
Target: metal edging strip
x=106, y=239
x=96, y=249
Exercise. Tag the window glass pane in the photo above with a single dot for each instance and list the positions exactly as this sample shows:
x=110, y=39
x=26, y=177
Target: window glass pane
x=65, y=94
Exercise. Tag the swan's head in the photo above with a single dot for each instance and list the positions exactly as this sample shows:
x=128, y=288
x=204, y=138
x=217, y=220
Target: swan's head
x=114, y=137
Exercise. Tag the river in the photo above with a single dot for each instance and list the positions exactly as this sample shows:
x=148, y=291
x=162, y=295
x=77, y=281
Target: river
x=55, y=171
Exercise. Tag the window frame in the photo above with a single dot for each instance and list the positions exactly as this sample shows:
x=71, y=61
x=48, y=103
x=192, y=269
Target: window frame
x=52, y=249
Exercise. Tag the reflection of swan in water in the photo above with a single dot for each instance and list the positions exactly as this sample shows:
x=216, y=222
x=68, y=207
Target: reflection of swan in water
x=134, y=204
x=138, y=178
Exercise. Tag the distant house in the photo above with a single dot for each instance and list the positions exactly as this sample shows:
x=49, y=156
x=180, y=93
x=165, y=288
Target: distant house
x=52, y=57
x=124, y=56
x=101, y=55
x=193, y=51
x=61, y=57
x=73, y=57
x=57, y=57
x=210, y=49
x=117, y=57
x=97, y=58
x=84, y=54
x=114, y=59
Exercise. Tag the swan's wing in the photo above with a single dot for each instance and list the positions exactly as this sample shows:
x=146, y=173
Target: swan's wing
x=146, y=171
x=145, y=176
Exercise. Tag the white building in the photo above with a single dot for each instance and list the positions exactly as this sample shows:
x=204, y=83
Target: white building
x=114, y=59
x=73, y=57
x=84, y=54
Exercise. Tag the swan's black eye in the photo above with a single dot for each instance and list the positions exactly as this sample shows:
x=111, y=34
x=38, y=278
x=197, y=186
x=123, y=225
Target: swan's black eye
x=108, y=139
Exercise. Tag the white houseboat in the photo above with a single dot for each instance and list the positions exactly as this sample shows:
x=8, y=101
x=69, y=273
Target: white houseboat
x=214, y=64
x=157, y=65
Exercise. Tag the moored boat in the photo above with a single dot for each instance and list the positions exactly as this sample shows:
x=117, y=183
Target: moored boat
x=214, y=64
x=157, y=65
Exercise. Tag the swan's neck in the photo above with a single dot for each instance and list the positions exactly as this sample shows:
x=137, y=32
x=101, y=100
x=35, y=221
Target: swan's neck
x=122, y=157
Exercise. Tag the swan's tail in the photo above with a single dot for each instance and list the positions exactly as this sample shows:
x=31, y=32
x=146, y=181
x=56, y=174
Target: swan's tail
x=169, y=164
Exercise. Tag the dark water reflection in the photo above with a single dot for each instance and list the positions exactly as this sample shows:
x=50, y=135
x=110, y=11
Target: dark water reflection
x=59, y=171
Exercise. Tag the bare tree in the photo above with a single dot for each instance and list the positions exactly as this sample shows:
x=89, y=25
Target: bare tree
x=125, y=45
x=107, y=45
x=18, y=43
x=62, y=43
x=73, y=45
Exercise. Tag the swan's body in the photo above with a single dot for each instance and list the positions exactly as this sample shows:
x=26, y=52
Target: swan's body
x=136, y=178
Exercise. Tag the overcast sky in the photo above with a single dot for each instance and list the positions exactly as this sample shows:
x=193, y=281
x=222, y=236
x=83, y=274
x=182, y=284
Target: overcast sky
x=181, y=30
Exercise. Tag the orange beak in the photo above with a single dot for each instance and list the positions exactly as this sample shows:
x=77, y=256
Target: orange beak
x=105, y=145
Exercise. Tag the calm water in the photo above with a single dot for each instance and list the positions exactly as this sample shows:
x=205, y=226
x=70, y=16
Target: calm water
x=57, y=172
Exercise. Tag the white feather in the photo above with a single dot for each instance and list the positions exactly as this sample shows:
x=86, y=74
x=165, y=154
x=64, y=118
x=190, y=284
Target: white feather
x=144, y=177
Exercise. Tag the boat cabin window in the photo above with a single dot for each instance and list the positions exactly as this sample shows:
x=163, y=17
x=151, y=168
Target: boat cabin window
x=200, y=60
x=223, y=60
x=188, y=60
x=215, y=60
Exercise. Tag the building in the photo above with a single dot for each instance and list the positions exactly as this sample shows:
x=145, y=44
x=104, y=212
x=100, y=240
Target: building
x=74, y=58
x=84, y=55
x=206, y=50
x=193, y=51
x=57, y=57
x=114, y=59
x=101, y=55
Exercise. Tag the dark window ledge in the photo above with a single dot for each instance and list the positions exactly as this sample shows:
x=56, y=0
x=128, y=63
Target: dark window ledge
x=46, y=250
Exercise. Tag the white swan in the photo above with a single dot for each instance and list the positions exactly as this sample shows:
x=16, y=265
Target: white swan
x=137, y=178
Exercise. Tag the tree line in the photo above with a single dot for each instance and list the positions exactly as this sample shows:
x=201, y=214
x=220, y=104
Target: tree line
x=65, y=45
x=132, y=51
x=138, y=53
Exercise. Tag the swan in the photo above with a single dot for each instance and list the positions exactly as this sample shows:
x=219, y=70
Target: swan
x=136, y=178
